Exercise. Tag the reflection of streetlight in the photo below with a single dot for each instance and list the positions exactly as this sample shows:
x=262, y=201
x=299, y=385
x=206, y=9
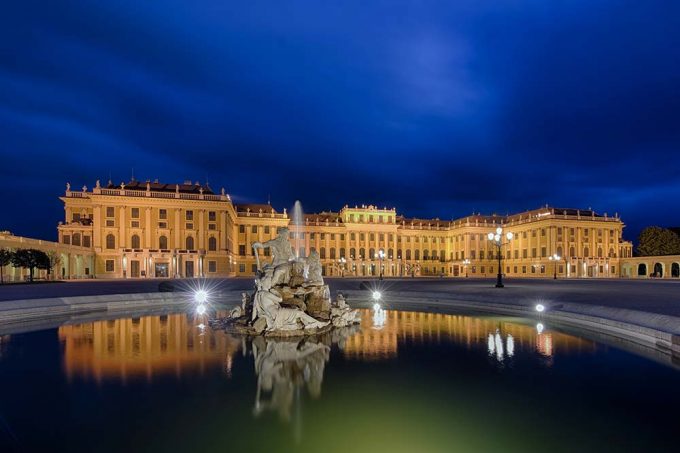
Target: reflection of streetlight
x=380, y=256
x=465, y=264
x=497, y=240
x=555, y=257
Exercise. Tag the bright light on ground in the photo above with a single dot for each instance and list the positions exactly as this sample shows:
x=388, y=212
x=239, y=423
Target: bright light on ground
x=376, y=307
x=377, y=295
x=540, y=308
x=201, y=309
x=201, y=296
x=539, y=328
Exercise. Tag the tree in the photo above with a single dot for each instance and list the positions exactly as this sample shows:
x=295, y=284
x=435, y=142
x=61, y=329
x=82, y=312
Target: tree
x=5, y=260
x=31, y=259
x=55, y=260
x=658, y=241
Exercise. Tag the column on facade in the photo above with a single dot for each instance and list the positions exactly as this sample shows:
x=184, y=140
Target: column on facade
x=178, y=229
x=201, y=230
x=147, y=231
x=121, y=228
x=96, y=230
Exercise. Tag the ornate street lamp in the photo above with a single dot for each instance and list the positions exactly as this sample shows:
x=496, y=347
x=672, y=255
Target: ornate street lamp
x=380, y=256
x=555, y=257
x=342, y=262
x=497, y=240
x=465, y=263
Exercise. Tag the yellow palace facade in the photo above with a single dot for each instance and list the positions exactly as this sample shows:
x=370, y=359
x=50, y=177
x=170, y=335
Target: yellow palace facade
x=150, y=229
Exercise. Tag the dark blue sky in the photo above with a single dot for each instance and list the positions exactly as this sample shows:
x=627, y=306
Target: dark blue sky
x=437, y=108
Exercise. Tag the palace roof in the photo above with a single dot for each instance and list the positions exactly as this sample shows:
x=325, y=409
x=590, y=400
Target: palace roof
x=186, y=187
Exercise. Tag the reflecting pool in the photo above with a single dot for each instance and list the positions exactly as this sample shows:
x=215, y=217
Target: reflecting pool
x=401, y=382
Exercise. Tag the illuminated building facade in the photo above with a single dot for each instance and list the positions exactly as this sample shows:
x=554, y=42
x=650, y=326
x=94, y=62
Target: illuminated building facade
x=149, y=229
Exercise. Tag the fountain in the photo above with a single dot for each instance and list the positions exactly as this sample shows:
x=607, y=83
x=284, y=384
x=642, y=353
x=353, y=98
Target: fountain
x=290, y=298
x=298, y=220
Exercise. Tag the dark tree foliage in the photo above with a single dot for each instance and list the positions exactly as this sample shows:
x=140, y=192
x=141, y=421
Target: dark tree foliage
x=31, y=259
x=658, y=241
x=5, y=260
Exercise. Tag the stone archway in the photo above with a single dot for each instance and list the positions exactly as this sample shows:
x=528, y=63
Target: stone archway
x=675, y=270
x=642, y=270
x=658, y=270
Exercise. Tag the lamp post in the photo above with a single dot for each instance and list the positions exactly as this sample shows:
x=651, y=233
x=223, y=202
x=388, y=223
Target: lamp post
x=342, y=262
x=555, y=257
x=497, y=240
x=380, y=256
x=465, y=264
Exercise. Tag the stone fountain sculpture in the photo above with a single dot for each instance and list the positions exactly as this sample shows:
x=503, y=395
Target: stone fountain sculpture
x=290, y=296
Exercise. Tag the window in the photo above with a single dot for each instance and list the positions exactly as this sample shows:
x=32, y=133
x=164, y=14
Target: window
x=212, y=244
x=135, y=213
x=266, y=230
x=110, y=223
x=544, y=252
x=533, y=252
x=352, y=236
x=134, y=241
x=332, y=253
x=189, y=226
x=371, y=237
x=253, y=229
x=162, y=224
x=212, y=216
x=67, y=239
x=342, y=252
x=163, y=242
x=86, y=241
x=253, y=268
x=75, y=240
x=189, y=215
x=542, y=231
x=163, y=214
x=189, y=243
x=322, y=252
x=110, y=241
x=212, y=226
x=110, y=267
x=242, y=268
x=241, y=228
x=242, y=250
x=110, y=211
x=212, y=266
x=352, y=253
x=134, y=224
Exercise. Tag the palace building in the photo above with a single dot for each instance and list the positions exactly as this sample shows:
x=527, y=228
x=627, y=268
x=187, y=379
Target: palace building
x=150, y=229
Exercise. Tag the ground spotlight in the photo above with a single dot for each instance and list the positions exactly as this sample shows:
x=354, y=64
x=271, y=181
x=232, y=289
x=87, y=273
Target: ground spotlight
x=539, y=328
x=201, y=309
x=201, y=296
x=376, y=307
x=376, y=295
x=540, y=308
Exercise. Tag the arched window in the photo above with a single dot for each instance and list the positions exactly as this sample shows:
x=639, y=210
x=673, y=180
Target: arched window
x=408, y=254
x=442, y=255
x=675, y=270
x=362, y=253
x=371, y=254
x=390, y=254
x=572, y=252
x=426, y=254
x=322, y=253
x=163, y=242
x=612, y=254
x=342, y=252
x=599, y=252
x=134, y=242
x=189, y=243
x=559, y=252
x=586, y=252
x=332, y=251
x=212, y=244
x=75, y=240
x=352, y=253
x=110, y=241
x=417, y=255
x=642, y=270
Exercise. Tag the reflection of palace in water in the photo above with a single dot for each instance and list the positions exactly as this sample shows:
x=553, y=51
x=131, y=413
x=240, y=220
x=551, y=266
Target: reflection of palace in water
x=381, y=341
x=146, y=346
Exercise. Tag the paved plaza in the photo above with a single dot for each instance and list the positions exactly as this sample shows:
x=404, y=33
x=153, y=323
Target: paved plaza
x=655, y=296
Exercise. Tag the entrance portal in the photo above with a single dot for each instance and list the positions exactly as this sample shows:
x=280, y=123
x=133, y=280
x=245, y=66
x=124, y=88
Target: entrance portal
x=134, y=269
x=162, y=270
x=189, y=269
